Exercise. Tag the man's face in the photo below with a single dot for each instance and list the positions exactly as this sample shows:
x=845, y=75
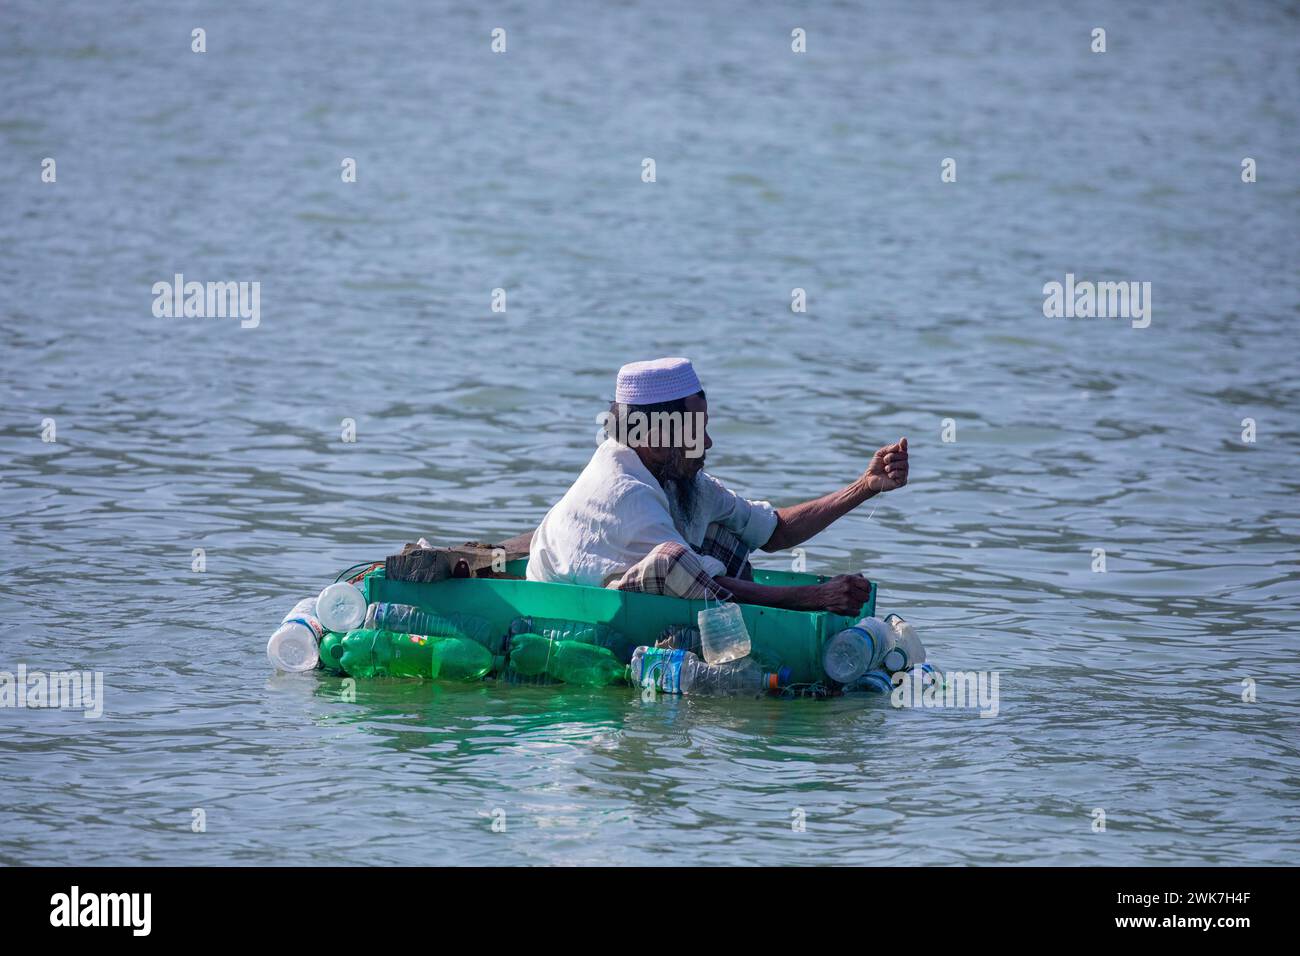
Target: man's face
x=697, y=409
x=675, y=451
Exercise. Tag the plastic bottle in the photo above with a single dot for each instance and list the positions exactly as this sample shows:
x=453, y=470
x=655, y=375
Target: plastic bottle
x=659, y=667
x=373, y=653
x=572, y=662
x=855, y=650
x=559, y=629
x=681, y=637
x=907, y=650
x=459, y=658
x=369, y=652
x=511, y=676
x=294, y=645
x=409, y=619
x=681, y=672
x=331, y=649
x=723, y=635
x=872, y=682
x=895, y=660
x=932, y=675
x=341, y=607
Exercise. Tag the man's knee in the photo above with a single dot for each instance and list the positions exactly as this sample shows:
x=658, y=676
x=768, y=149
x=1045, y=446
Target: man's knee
x=669, y=551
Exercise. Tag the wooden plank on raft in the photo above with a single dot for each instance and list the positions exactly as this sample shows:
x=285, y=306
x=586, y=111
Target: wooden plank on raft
x=472, y=559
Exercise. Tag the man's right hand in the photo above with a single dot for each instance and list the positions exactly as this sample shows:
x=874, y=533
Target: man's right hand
x=843, y=594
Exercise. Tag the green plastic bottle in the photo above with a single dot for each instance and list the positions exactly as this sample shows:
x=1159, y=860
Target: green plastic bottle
x=368, y=652
x=331, y=649
x=573, y=662
x=460, y=658
x=371, y=653
x=409, y=619
x=559, y=629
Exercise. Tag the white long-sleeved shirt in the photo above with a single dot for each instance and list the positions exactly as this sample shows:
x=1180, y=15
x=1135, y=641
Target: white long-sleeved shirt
x=616, y=512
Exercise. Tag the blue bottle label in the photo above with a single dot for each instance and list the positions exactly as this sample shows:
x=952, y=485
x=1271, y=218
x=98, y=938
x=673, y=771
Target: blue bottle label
x=663, y=668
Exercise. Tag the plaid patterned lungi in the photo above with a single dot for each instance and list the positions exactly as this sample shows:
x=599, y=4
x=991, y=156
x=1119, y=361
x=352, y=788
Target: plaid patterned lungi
x=672, y=570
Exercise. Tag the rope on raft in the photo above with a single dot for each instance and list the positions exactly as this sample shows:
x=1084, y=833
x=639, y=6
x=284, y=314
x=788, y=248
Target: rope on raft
x=366, y=566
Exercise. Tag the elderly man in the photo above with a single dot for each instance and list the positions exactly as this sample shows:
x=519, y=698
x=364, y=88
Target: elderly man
x=645, y=516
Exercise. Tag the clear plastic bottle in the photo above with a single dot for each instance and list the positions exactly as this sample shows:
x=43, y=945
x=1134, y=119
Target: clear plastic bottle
x=681, y=672
x=896, y=659
x=906, y=649
x=723, y=635
x=855, y=650
x=681, y=637
x=341, y=607
x=295, y=645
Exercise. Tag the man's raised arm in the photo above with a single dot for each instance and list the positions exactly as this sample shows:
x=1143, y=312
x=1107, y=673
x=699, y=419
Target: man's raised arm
x=798, y=523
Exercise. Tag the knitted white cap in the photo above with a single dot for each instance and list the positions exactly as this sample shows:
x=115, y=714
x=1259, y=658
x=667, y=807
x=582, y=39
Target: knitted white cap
x=659, y=380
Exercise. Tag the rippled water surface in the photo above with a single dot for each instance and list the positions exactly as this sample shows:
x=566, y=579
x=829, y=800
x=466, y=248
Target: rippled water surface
x=1119, y=691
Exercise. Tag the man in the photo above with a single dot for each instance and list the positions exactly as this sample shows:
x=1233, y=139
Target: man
x=645, y=516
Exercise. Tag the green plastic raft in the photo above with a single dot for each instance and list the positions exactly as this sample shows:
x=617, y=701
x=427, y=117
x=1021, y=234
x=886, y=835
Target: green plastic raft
x=793, y=639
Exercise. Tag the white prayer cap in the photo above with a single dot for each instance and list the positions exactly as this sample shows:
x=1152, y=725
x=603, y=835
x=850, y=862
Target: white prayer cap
x=655, y=381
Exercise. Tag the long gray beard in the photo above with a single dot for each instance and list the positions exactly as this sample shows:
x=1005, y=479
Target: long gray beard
x=682, y=493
